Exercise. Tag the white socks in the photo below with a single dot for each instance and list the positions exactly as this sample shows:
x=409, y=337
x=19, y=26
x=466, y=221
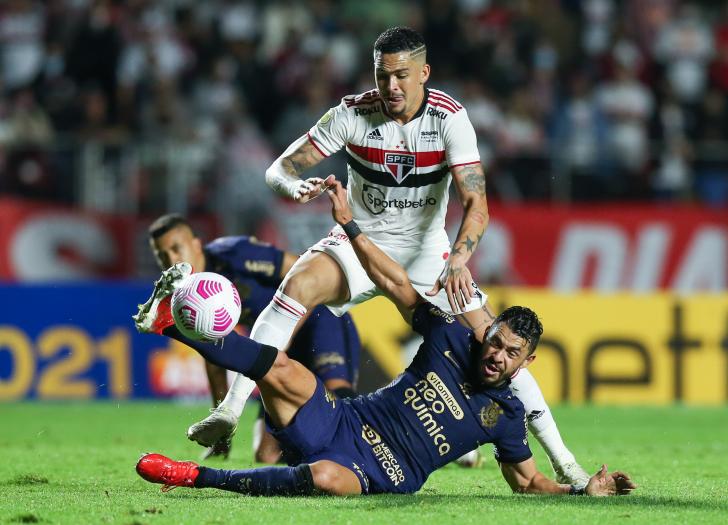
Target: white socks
x=274, y=327
x=540, y=421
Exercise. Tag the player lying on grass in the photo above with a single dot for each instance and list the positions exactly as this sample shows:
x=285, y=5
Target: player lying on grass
x=452, y=398
x=329, y=346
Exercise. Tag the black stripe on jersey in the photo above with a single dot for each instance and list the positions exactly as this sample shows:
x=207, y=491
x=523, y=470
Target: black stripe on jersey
x=384, y=178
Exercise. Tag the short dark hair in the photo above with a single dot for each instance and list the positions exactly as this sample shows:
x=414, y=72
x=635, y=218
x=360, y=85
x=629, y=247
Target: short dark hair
x=397, y=39
x=166, y=223
x=524, y=323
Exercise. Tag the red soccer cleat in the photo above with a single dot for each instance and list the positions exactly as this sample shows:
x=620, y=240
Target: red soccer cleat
x=157, y=468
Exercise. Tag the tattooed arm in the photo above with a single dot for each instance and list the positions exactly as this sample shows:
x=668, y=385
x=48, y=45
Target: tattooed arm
x=456, y=278
x=284, y=174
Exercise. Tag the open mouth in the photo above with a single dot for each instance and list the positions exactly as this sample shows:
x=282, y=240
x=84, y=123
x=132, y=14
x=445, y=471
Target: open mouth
x=490, y=370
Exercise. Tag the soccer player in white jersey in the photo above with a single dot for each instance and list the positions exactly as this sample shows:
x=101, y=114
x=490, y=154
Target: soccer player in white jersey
x=405, y=144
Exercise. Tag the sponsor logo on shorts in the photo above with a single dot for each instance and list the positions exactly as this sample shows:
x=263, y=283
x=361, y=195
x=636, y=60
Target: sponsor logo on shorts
x=266, y=268
x=384, y=455
x=330, y=398
x=375, y=201
x=328, y=359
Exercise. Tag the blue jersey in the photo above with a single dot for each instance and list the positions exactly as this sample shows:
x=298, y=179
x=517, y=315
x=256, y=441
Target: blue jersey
x=433, y=413
x=327, y=345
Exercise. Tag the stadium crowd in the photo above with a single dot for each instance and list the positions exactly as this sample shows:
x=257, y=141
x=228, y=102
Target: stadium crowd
x=572, y=100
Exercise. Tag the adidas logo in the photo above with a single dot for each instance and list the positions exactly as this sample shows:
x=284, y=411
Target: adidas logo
x=375, y=135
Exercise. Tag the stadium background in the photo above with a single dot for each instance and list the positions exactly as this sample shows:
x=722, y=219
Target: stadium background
x=603, y=126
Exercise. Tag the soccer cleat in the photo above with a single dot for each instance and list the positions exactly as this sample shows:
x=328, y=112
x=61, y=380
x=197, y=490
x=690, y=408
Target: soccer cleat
x=156, y=314
x=219, y=425
x=571, y=474
x=157, y=468
x=471, y=459
x=219, y=449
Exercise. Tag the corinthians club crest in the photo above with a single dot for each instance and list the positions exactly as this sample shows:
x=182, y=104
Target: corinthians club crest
x=400, y=165
x=489, y=415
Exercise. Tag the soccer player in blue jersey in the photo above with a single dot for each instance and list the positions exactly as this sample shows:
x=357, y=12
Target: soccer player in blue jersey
x=327, y=345
x=452, y=398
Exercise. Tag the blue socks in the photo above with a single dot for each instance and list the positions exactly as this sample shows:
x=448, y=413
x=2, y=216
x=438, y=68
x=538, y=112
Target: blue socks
x=233, y=352
x=265, y=481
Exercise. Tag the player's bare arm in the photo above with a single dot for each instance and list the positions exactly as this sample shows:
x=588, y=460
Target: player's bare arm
x=525, y=477
x=389, y=276
x=456, y=278
x=284, y=175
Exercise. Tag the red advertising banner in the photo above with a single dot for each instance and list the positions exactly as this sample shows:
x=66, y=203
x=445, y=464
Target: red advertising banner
x=639, y=247
x=42, y=242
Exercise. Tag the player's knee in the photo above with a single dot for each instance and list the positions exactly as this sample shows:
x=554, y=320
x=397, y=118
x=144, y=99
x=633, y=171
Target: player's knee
x=334, y=479
x=267, y=455
x=304, y=287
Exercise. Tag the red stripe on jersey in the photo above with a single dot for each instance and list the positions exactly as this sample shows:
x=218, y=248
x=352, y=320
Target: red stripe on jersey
x=364, y=98
x=423, y=159
x=313, y=143
x=442, y=100
x=441, y=105
x=465, y=164
x=445, y=97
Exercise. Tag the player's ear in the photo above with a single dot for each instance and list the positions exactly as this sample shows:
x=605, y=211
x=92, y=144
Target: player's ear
x=424, y=73
x=528, y=361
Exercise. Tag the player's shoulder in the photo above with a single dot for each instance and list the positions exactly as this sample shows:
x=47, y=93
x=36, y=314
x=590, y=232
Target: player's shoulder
x=235, y=243
x=429, y=320
x=442, y=104
x=362, y=104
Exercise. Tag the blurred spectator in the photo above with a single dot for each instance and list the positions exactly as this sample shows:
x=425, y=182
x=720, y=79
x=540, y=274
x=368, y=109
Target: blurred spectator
x=22, y=26
x=685, y=46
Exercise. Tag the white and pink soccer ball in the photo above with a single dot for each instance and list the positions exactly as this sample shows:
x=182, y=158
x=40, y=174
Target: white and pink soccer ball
x=206, y=307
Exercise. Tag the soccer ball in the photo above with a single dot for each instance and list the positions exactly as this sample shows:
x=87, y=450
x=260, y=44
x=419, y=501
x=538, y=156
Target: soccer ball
x=206, y=306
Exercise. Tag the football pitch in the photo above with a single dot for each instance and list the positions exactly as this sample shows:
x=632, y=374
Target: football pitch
x=74, y=463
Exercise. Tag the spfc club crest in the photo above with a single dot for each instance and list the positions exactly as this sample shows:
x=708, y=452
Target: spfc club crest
x=400, y=165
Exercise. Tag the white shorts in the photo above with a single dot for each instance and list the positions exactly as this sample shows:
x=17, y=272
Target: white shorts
x=424, y=264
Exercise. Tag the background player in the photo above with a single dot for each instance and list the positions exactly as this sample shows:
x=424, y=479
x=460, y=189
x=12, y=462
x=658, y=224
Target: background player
x=405, y=144
x=329, y=346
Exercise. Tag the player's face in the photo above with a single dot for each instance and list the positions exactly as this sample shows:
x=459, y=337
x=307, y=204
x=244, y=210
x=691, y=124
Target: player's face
x=401, y=82
x=178, y=245
x=503, y=353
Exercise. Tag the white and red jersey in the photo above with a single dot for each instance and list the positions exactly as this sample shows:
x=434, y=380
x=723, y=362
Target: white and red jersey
x=399, y=175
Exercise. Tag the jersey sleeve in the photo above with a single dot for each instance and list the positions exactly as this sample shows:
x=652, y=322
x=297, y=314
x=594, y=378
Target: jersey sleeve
x=330, y=133
x=248, y=257
x=461, y=144
x=512, y=445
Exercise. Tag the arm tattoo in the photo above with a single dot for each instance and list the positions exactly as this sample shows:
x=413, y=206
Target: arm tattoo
x=472, y=179
x=455, y=251
x=300, y=160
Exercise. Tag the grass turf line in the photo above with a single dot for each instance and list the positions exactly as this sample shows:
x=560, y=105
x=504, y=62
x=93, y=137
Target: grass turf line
x=74, y=463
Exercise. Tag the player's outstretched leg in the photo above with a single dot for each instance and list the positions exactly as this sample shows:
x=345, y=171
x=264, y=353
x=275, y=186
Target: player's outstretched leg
x=542, y=425
x=155, y=315
x=322, y=476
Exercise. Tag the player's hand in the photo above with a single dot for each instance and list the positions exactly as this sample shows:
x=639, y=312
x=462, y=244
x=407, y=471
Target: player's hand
x=309, y=189
x=457, y=282
x=605, y=483
x=340, y=210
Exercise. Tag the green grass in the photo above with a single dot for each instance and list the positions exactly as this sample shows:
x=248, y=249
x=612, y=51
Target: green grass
x=74, y=463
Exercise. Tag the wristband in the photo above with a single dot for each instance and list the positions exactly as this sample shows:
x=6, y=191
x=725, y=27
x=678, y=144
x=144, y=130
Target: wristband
x=574, y=491
x=351, y=229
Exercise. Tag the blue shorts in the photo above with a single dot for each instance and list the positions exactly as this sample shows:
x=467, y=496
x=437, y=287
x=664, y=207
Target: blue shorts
x=327, y=428
x=329, y=346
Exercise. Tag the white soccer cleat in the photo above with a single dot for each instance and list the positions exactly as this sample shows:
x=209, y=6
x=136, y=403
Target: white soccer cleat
x=221, y=424
x=571, y=474
x=471, y=459
x=155, y=315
